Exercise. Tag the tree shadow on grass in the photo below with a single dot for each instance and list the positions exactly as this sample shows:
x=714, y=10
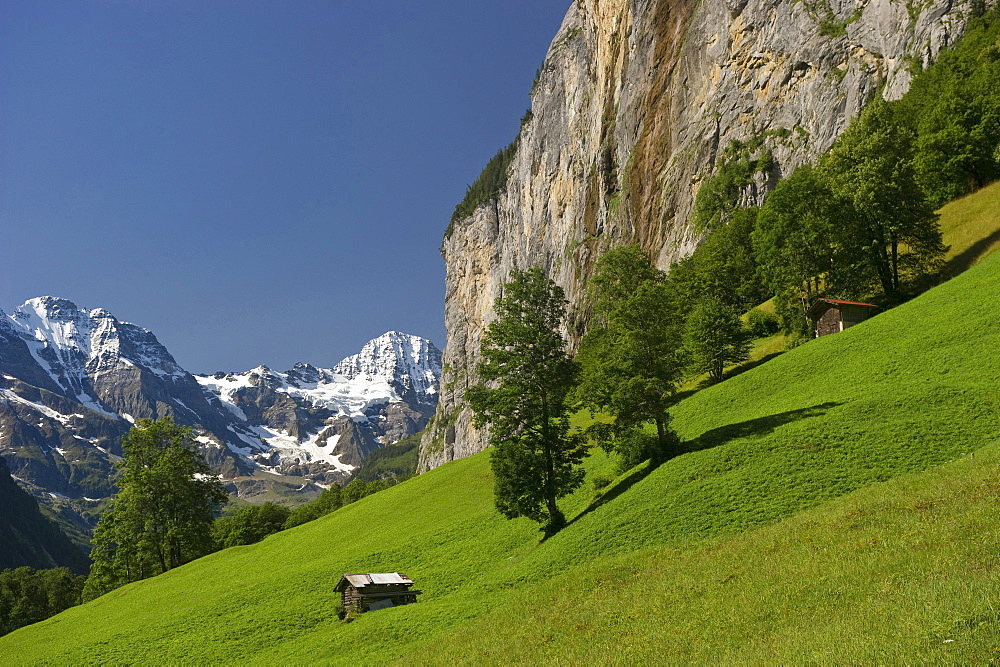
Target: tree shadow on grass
x=638, y=473
x=759, y=426
x=739, y=369
x=747, y=365
x=707, y=440
x=965, y=259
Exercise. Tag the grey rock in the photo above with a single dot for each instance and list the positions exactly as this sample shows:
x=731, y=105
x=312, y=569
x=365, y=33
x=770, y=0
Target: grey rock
x=635, y=102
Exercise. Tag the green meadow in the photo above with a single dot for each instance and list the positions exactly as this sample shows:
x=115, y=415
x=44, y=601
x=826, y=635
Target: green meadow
x=837, y=503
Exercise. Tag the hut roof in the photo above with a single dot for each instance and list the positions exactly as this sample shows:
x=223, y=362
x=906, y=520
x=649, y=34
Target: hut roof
x=360, y=580
x=821, y=303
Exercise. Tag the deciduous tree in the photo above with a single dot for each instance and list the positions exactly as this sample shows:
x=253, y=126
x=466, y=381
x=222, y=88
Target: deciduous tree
x=163, y=513
x=803, y=247
x=714, y=337
x=526, y=376
x=249, y=524
x=631, y=358
x=871, y=166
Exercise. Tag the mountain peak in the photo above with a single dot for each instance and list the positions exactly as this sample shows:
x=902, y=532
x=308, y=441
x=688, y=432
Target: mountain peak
x=72, y=344
x=408, y=362
x=49, y=308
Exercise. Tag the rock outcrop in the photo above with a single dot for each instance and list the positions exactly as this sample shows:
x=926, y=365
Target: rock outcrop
x=634, y=105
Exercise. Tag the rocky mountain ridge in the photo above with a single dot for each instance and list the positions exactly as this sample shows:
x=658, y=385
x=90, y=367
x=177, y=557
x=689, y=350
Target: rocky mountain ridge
x=73, y=381
x=328, y=420
x=634, y=107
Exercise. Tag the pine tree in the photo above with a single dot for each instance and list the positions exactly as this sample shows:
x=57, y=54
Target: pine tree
x=527, y=375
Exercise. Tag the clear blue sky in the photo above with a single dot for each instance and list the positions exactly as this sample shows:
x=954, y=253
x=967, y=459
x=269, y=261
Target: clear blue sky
x=254, y=181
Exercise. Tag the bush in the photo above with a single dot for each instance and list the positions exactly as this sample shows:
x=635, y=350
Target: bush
x=761, y=323
x=638, y=445
x=249, y=525
x=600, y=483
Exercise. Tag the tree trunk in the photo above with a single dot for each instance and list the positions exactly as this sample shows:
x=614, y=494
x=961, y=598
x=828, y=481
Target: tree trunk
x=661, y=441
x=895, y=264
x=556, y=519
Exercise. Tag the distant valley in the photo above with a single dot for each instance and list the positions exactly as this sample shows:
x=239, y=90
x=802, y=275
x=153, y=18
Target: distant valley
x=73, y=381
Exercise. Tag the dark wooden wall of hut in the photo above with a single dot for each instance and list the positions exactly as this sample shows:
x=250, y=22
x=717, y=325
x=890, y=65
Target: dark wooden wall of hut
x=828, y=322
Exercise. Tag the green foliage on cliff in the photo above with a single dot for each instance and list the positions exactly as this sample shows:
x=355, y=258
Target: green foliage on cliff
x=491, y=182
x=720, y=194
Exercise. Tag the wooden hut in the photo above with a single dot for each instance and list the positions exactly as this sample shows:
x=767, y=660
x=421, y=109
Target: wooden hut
x=367, y=592
x=834, y=315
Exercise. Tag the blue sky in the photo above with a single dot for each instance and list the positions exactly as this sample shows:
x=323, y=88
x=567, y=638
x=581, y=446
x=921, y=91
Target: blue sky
x=255, y=182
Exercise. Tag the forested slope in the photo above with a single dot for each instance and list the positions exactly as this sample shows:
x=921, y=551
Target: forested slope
x=27, y=537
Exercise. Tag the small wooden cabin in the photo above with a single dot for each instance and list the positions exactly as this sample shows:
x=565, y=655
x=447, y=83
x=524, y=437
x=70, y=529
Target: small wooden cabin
x=367, y=592
x=835, y=315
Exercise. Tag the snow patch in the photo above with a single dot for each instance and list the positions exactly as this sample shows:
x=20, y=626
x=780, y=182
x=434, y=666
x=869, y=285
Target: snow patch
x=181, y=403
x=10, y=397
x=94, y=405
x=307, y=451
x=205, y=440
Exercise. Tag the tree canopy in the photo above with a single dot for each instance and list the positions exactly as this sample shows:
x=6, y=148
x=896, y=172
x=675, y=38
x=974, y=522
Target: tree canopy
x=28, y=596
x=631, y=358
x=527, y=375
x=162, y=515
x=249, y=524
x=890, y=218
x=714, y=337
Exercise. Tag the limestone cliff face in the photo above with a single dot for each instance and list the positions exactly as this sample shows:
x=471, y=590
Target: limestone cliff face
x=634, y=105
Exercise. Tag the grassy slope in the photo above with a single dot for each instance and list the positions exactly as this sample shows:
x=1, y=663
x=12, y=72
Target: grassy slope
x=971, y=227
x=901, y=393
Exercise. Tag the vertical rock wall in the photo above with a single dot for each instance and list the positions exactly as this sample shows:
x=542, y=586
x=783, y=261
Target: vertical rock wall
x=634, y=105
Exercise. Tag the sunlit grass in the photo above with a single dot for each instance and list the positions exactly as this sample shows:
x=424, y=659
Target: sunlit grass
x=971, y=227
x=764, y=543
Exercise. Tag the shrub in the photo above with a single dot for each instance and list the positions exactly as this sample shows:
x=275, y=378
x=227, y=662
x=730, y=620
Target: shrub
x=761, y=323
x=600, y=483
x=249, y=524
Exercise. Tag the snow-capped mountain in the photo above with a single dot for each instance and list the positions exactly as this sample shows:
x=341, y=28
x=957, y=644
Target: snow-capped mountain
x=320, y=417
x=73, y=380
x=409, y=364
